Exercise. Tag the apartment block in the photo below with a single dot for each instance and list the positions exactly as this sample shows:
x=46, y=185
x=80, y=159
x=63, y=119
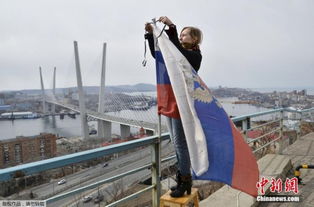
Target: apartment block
x=27, y=149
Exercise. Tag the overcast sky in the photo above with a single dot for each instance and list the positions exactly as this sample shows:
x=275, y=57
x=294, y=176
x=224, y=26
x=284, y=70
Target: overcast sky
x=250, y=44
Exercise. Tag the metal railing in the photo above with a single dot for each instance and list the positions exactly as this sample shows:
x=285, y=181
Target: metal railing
x=245, y=120
x=154, y=141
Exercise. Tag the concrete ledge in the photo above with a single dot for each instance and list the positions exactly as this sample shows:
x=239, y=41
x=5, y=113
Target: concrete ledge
x=270, y=166
x=302, y=147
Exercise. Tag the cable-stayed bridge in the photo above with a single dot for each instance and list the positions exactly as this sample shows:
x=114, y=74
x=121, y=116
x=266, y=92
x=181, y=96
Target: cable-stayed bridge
x=104, y=120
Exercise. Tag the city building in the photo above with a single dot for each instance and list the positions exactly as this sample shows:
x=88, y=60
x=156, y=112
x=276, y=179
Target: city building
x=27, y=149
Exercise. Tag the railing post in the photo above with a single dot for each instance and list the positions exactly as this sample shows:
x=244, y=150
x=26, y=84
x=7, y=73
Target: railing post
x=244, y=128
x=281, y=132
x=156, y=167
x=301, y=117
x=299, y=125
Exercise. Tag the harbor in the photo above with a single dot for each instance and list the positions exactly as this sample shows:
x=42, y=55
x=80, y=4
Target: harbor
x=68, y=126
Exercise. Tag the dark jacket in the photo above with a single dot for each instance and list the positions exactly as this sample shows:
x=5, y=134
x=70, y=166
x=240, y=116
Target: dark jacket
x=193, y=56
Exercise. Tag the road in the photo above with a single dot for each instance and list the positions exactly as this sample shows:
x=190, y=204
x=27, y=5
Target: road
x=91, y=175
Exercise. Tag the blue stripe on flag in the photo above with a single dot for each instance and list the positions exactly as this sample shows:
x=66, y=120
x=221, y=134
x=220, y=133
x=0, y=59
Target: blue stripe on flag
x=218, y=133
x=162, y=74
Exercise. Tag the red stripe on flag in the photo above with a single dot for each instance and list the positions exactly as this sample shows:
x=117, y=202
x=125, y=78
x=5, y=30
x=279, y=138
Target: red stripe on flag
x=245, y=170
x=166, y=101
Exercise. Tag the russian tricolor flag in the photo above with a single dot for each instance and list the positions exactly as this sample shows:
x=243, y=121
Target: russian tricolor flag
x=217, y=149
x=165, y=98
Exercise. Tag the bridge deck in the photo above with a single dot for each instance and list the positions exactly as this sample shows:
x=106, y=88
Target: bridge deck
x=105, y=117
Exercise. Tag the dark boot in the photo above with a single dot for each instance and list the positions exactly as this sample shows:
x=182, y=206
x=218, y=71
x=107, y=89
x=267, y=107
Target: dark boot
x=178, y=180
x=185, y=185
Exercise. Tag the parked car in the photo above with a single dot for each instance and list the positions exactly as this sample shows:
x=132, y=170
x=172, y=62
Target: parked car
x=62, y=182
x=86, y=199
x=105, y=165
x=99, y=198
x=92, y=131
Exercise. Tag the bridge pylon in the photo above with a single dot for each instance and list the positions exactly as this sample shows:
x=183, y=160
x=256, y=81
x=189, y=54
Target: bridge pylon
x=46, y=106
x=104, y=127
x=43, y=92
x=53, y=107
x=84, y=126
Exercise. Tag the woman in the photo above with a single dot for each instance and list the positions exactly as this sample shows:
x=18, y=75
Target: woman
x=188, y=45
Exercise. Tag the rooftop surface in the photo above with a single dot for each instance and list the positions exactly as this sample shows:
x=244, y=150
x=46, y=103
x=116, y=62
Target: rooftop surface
x=275, y=166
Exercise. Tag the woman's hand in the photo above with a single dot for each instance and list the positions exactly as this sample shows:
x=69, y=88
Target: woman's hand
x=148, y=28
x=165, y=20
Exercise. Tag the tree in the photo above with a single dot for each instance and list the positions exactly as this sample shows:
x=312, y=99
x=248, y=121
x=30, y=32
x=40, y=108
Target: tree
x=116, y=192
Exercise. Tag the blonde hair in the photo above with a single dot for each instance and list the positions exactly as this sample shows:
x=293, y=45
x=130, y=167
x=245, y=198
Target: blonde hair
x=196, y=34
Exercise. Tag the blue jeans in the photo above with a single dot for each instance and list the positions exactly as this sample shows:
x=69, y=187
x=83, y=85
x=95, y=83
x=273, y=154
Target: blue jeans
x=180, y=145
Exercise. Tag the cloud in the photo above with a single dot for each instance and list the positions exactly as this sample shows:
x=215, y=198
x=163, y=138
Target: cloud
x=246, y=43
